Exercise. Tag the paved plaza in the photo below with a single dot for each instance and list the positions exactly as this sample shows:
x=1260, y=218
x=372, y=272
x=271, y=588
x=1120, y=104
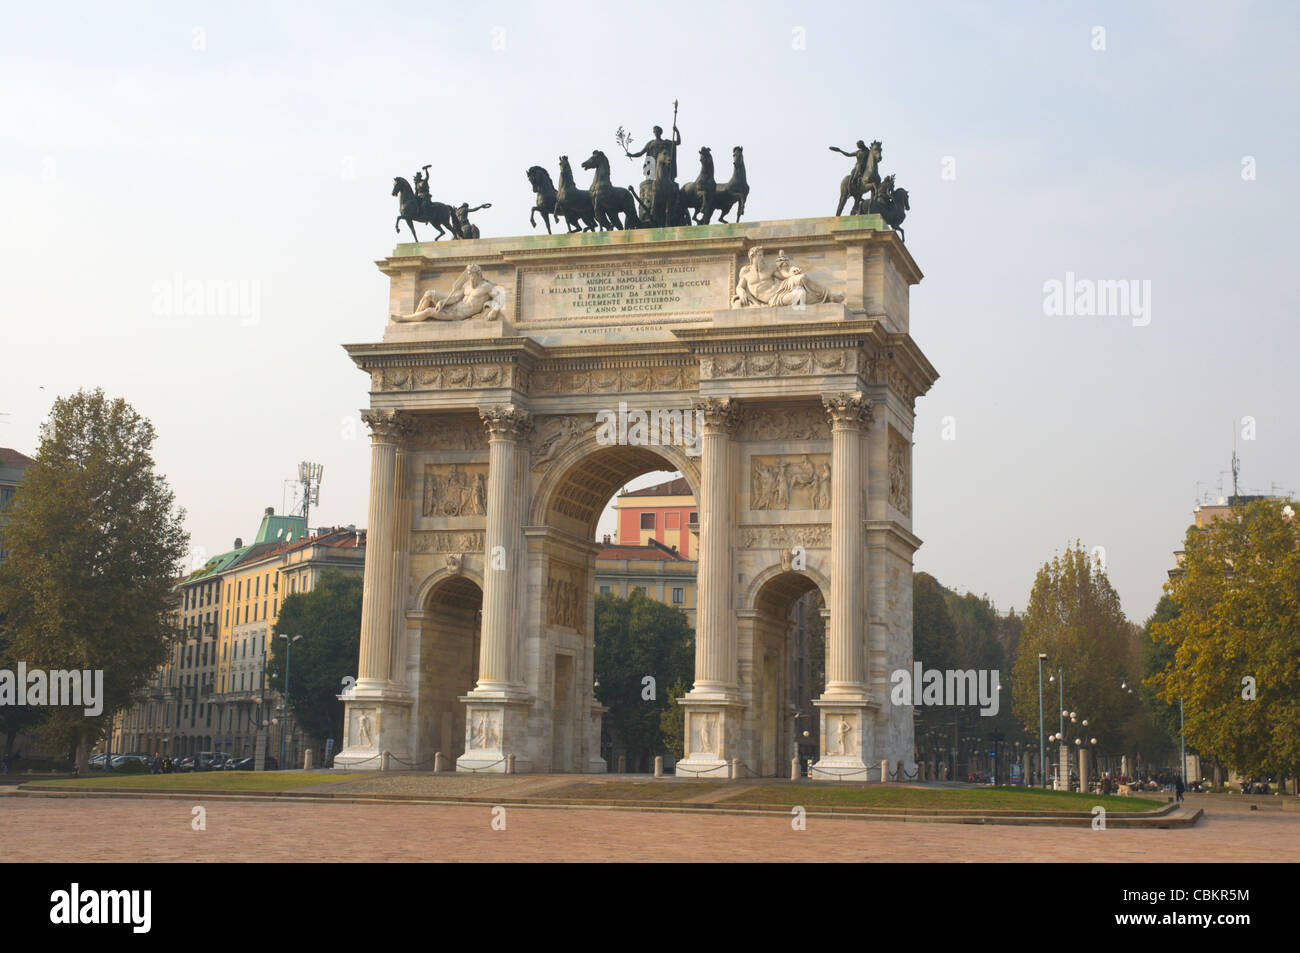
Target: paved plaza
x=138, y=829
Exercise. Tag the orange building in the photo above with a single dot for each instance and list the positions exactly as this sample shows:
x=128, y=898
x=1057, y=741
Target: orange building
x=665, y=513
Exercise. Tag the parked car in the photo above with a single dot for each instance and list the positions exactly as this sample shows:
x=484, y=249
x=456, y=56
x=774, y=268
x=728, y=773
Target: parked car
x=210, y=760
x=183, y=764
x=238, y=764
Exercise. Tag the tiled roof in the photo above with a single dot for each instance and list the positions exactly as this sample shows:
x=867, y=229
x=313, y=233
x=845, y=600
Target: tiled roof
x=654, y=553
x=677, y=487
x=12, y=458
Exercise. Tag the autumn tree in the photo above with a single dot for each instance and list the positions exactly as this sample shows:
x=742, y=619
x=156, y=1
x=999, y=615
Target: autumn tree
x=1235, y=639
x=95, y=547
x=1074, y=616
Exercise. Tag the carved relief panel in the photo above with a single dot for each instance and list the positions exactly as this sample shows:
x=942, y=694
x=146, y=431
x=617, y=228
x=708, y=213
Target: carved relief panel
x=566, y=603
x=790, y=481
x=900, y=473
x=455, y=489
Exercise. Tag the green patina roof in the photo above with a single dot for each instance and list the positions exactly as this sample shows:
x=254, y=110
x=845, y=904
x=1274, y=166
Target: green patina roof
x=274, y=529
x=281, y=529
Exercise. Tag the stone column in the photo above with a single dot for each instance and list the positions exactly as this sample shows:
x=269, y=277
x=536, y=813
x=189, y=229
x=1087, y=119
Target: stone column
x=374, y=664
x=377, y=711
x=496, y=717
x=401, y=565
x=847, y=711
x=498, y=658
x=850, y=414
x=714, y=713
x=715, y=640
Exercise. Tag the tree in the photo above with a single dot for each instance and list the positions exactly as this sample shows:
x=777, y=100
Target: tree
x=1159, y=734
x=1236, y=638
x=14, y=719
x=672, y=722
x=1074, y=616
x=328, y=618
x=638, y=637
x=95, y=546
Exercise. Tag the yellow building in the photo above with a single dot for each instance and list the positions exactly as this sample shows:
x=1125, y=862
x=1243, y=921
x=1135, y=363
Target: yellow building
x=657, y=534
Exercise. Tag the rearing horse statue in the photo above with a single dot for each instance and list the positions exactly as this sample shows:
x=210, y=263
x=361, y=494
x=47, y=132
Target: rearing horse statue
x=607, y=201
x=572, y=202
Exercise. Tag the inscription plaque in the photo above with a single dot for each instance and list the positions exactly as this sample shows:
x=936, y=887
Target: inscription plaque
x=641, y=291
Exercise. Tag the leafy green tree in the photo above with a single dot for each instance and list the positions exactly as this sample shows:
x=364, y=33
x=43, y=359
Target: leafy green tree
x=95, y=546
x=15, y=719
x=672, y=722
x=328, y=618
x=1074, y=616
x=934, y=635
x=1236, y=638
x=1158, y=735
x=638, y=637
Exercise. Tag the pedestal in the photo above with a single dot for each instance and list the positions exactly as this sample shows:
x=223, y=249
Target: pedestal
x=847, y=740
x=712, y=732
x=376, y=719
x=495, y=729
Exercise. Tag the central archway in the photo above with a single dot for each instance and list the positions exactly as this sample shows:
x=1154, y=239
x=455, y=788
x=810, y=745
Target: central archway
x=560, y=605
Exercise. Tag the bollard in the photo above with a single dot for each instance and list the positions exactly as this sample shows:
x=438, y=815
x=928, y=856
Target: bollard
x=735, y=769
x=384, y=764
x=510, y=764
x=307, y=760
x=884, y=770
x=794, y=769
x=659, y=766
x=622, y=764
x=438, y=763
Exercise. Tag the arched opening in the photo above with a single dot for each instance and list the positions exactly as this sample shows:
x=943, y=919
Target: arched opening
x=788, y=670
x=644, y=542
x=449, y=655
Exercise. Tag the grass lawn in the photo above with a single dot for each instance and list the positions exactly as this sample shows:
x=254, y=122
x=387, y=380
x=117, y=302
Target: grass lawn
x=631, y=790
x=960, y=799
x=233, y=781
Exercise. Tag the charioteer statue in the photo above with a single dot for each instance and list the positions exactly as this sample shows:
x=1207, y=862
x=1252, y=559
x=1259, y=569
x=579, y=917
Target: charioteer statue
x=664, y=192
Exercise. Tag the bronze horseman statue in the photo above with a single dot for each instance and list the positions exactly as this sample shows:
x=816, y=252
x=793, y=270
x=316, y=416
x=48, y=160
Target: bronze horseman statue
x=890, y=203
x=415, y=204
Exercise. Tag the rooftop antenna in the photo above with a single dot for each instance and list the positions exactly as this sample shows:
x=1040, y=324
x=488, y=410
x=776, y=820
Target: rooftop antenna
x=309, y=475
x=1236, y=463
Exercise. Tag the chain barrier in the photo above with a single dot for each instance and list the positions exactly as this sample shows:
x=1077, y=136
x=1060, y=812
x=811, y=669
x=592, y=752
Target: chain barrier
x=716, y=767
x=483, y=768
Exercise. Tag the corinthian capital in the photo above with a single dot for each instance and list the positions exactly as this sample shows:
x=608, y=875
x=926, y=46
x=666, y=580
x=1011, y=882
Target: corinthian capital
x=505, y=421
x=847, y=409
x=388, y=426
x=721, y=415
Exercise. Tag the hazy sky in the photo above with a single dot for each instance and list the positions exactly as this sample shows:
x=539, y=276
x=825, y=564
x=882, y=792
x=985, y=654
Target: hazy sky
x=256, y=144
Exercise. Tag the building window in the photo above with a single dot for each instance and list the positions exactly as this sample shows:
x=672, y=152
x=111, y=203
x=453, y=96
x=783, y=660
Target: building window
x=679, y=595
x=604, y=590
x=647, y=521
x=636, y=589
x=691, y=518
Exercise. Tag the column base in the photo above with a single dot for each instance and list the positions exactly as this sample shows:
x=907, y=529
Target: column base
x=496, y=727
x=713, y=732
x=376, y=719
x=847, y=740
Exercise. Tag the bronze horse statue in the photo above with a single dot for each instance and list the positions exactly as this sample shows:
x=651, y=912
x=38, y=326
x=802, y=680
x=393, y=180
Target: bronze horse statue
x=411, y=209
x=892, y=205
x=735, y=192
x=698, y=195
x=608, y=201
x=572, y=202
x=543, y=196
x=860, y=186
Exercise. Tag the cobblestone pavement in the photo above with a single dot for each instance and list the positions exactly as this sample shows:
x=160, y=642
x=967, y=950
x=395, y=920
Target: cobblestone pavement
x=91, y=829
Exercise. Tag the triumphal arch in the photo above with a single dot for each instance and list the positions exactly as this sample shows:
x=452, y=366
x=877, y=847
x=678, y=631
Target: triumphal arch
x=520, y=382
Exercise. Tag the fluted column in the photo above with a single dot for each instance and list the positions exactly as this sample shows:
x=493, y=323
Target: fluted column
x=498, y=656
x=850, y=414
x=401, y=563
x=374, y=662
x=715, y=639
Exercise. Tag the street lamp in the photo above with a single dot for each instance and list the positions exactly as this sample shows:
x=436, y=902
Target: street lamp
x=1042, y=657
x=284, y=722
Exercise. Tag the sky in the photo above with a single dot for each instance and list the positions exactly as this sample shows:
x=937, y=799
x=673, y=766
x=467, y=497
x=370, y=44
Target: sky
x=253, y=146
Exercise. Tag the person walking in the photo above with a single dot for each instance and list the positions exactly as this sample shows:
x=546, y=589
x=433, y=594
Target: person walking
x=1178, y=788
